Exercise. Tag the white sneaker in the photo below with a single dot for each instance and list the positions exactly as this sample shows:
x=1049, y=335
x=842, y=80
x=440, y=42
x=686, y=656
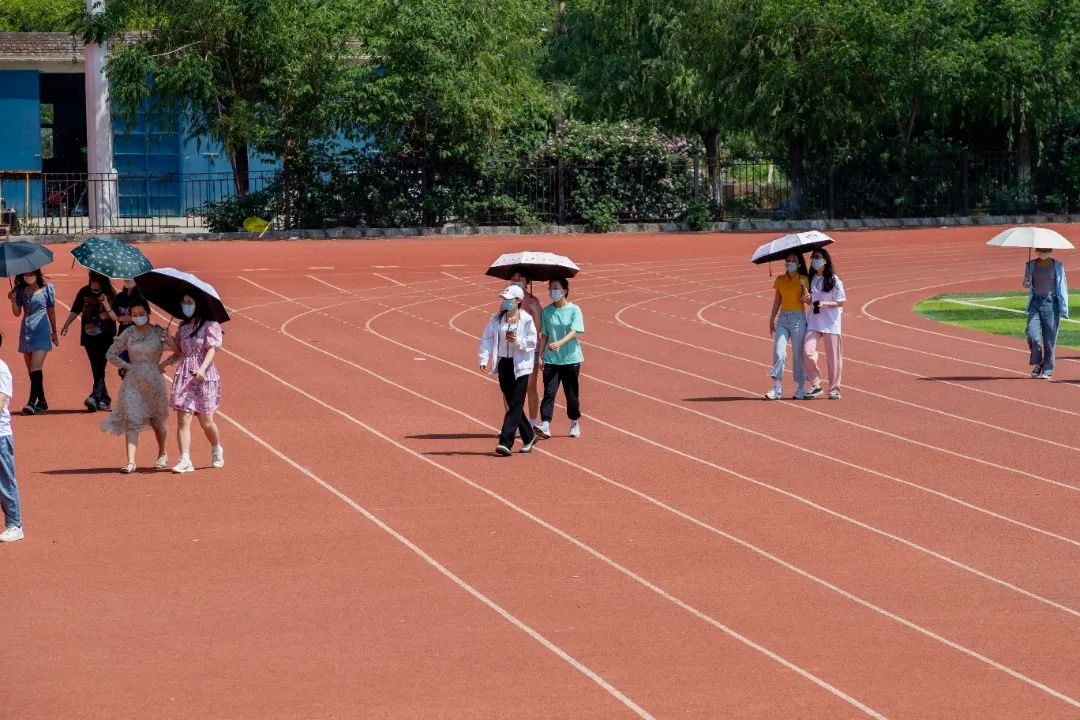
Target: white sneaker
x=834, y=395
x=11, y=534
x=218, y=457
x=184, y=466
x=544, y=429
x=774, y=394
x=575, y=428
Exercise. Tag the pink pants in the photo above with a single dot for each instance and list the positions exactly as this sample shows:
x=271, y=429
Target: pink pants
x=833, y=349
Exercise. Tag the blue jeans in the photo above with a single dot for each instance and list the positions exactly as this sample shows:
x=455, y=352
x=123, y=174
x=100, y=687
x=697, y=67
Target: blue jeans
x=1042, y=330
x=9, y=491
x=790, y=325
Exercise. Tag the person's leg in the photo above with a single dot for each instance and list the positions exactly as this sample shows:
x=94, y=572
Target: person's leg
x=37, y=375
x=1049, y=319
x=1034, y=334
x=161, y=436
x=28, y=359
x=100, y=366
x=798, y=339
x=533, y=394
x=9, y=488
x=570, y=375
x=780, y=341
x=132, y=446
x=834, y=347
x=508, y=385
x=810, y=362
x=183, y=433
x=551, y=390
x=210, y=429
x=524, y=427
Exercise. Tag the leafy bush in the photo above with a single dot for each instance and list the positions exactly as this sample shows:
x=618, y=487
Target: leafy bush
x=699, y=214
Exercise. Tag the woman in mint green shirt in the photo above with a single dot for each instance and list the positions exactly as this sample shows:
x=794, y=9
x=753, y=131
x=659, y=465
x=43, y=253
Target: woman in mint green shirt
x=561, y=324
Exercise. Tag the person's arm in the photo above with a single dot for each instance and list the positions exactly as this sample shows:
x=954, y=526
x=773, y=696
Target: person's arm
x=119, y=345
x=16, y=306
x=486, y=341
x=1063, y=291
x=577, y=327
x=526, y=341
x=839, y=297
x=76, y=310
x=775, y=312
x=174, y=357
x=1027, y=274
x=213, y=342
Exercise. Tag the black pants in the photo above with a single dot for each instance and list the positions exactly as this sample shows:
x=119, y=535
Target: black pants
x=568, y=376
x=96, y=347
x=514, y=390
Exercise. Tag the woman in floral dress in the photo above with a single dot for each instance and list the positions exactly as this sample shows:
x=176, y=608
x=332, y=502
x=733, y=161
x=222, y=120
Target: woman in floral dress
x=196, y=385
x=143, y=400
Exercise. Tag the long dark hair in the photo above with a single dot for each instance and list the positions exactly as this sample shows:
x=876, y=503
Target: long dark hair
x=828, y=275
x=20, y=284
x=106, y=285
x=199, y=318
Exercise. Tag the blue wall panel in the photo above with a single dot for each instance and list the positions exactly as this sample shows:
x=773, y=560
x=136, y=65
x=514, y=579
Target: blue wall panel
x=20, y=120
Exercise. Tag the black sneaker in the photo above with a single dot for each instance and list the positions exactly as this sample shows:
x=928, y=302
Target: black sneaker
x=104, y=405
x=29, y=409
x=41, y=407
x=91, y=403
x=813, y=392
x=1037, y=372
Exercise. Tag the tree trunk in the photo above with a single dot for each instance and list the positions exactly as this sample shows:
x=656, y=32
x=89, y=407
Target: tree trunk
x=241, y=176
x=712, y=162
x=287, y=189
x=796, y=153
x=1023, y=155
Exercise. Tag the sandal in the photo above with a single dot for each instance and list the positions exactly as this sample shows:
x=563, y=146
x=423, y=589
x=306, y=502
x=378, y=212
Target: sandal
x=128, y=469
x=162, y=462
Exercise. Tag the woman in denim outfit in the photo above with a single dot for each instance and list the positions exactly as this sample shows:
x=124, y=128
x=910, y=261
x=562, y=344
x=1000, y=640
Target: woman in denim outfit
x=1047, y=305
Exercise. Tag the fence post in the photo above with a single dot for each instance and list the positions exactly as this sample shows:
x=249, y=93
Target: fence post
x=832, y=191
x=964, y=163
x=560, y=195
x=697, y=176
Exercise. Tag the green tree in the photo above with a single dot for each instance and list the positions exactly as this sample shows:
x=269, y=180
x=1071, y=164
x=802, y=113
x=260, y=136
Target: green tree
x=39, y=15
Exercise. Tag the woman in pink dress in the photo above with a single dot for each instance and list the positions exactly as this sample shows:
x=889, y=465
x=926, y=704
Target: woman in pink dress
x=196, y=387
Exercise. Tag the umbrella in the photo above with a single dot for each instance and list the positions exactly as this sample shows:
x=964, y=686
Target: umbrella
x=166, y=286
x=1031, y=237
x=537, y=265
x=796, y=242
x=112, y=258
x=21, y=257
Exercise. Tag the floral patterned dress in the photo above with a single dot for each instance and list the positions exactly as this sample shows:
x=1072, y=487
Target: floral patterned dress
x=189, y=393
x=143, y=399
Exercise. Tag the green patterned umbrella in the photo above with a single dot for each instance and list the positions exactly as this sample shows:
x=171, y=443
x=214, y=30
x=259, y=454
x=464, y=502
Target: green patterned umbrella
x=112, y=258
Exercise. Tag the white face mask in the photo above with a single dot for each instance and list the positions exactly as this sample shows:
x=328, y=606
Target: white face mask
x=1044, y=256
x=140, y=319
x=29, y=279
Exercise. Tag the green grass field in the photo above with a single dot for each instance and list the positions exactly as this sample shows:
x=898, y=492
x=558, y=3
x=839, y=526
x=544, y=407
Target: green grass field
x=999, y=313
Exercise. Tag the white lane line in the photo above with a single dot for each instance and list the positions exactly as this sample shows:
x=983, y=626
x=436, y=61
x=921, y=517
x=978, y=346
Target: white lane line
x=453, y=276
x=543, y=523
x=384, y=277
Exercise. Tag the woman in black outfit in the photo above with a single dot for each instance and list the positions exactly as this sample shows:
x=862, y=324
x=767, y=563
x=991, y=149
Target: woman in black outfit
x=94, y=303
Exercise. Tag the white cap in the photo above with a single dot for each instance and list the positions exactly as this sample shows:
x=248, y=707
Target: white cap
x=513, y=293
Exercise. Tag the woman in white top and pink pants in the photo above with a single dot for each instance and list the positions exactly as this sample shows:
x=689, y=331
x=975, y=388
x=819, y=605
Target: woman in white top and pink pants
x=823, y=324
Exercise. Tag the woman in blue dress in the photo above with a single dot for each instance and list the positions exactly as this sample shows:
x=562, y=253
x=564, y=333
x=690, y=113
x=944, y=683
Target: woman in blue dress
x=35, y=300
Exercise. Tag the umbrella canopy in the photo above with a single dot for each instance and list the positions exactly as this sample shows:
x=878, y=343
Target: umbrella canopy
x=21, y=257
x=796, y=242
x=537, y=265
x=165, y=287
x=112, y=258
x=1031, y=237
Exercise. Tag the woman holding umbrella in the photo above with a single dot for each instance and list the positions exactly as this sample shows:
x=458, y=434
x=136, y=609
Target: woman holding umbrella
x=35, y=301
x=196, y=390
x=1048, y=302
x=531, y=304
x=94, y=303
x=143, y=400
x=787, y=321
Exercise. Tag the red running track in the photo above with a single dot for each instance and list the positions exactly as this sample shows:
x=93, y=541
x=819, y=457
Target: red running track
x=911, y=551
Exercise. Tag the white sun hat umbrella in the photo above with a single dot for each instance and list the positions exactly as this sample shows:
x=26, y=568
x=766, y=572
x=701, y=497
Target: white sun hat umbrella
x=1031, y=237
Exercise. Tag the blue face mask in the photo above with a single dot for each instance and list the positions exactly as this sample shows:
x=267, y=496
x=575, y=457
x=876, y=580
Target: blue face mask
x=817, y=263
x=188, y=310
x=792, y=267
x=507, y=304
x=556, y=295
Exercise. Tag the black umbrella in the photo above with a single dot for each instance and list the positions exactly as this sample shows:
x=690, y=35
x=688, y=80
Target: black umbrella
x=21, y=257
x=165, y=287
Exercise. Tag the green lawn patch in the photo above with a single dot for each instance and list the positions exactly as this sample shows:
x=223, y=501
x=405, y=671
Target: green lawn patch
x=998, y=313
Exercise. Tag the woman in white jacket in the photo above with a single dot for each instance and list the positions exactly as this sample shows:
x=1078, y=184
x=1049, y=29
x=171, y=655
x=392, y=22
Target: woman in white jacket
x=508, y=348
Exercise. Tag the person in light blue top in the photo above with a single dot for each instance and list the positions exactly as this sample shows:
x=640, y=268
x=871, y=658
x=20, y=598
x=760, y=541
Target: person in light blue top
x=561, y=325
x=1048, y=303
x=35, y=301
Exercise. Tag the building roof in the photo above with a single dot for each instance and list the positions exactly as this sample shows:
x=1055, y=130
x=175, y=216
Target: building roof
x=36, y=47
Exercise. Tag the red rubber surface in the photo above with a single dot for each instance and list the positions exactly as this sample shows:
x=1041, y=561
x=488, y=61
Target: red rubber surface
x=910, y=551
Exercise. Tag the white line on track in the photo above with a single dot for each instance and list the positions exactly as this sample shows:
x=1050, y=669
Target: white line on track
x=384, y=277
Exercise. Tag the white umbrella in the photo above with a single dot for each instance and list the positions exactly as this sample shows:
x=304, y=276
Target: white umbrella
x=1031, y=237
x=779, y=248
x=539, y=266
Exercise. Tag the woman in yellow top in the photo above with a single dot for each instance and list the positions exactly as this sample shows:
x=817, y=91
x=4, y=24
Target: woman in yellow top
x=787, y=321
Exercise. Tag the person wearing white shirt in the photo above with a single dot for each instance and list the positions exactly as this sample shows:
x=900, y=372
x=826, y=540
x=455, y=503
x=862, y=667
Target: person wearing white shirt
x=823, y=324
x=9, y=489
x=508, y=348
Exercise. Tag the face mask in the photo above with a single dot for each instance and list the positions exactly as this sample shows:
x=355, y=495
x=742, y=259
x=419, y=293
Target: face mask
x=556, y=295
x=1044, y=256
x=96, y=292
x=792, y=267
x=140, y=320
x=188, y=310
x=507, y=304
x=817, y=263
x=29, y=279
x=520, y=284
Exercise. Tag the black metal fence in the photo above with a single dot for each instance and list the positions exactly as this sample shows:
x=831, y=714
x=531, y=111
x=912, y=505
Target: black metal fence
x=387, y=194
